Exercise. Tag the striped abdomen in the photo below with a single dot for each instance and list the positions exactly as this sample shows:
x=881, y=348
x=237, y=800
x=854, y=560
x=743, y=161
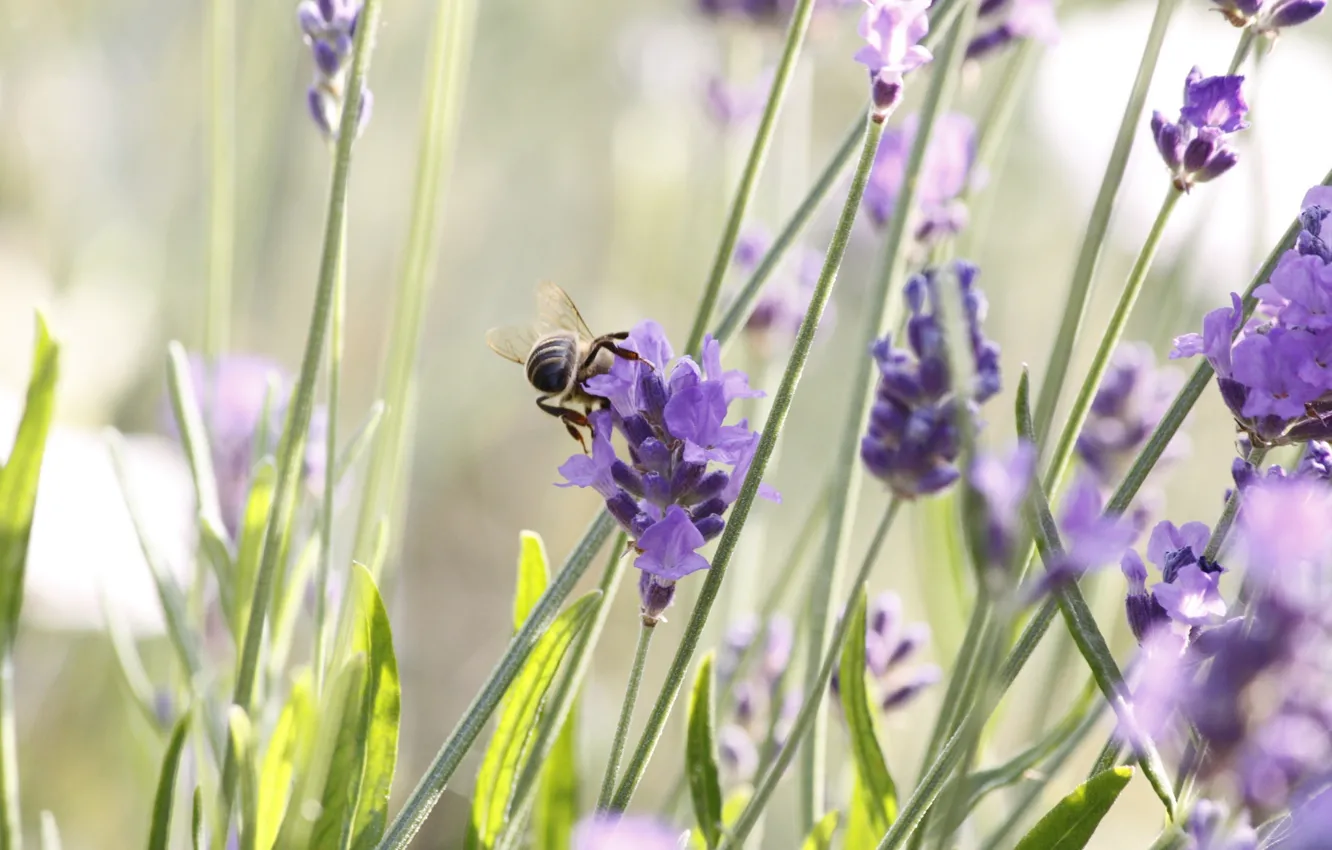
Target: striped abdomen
x=552, y=364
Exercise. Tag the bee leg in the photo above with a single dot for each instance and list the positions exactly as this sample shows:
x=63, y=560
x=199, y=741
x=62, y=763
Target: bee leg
x=572, y=419
x=606, y=342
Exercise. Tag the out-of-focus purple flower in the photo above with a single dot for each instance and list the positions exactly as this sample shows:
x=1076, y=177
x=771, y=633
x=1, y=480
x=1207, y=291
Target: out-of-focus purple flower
x=892, y=30
x=890, y=645
x=671, y=492
x=731, y=104
x=764, y=12
x=1270, y=18
x=945, y=174
x=743, y=733
x=1005, y=21
x=1196, y=148
x=1274, y=377
x=1310, y=819
x=1286, y=536
x=329, y=27
x=1002, y=482
x=913, y=441
x=780, y=307
x=622, y=832
x=1128, y=405
x=231, y=394
x=1210, y=828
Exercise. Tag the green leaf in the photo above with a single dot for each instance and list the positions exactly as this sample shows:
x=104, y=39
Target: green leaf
x=339, y=758
x=509, y=746
x=730, y=813
x=373, y=637
x=128, y=661
x=188, y=407
x=197, y=820
x=556, y=806
x=701, y=755
x=821, y=836
x=242, y=742
x=533, y=576
x=159, y=836
x=250, y=549
x=360, y=441
x=860, y=834
x=18, y=479
x=288, y=604
x=880, y=794
x=288, y=747
x=1070, y=824
x=50, y=832
x=217, y=552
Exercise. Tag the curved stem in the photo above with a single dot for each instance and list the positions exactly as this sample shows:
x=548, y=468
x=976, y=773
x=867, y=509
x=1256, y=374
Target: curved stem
x=806, y=717
x=446, y=75
x=758, y=152
x=626, y=715
x=291, y=447
x=847, y=472
x=1061, y=353
x=781, y=406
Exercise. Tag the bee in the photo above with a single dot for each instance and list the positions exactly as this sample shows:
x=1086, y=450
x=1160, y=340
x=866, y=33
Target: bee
x=560, y=353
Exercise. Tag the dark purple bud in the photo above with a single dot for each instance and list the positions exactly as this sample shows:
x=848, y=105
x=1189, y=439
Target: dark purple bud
x=1169, y=141
x=913, y=638
x=709, y=486
x=311, y=19
x=322, y=110
x=686, y=478
x=327, y=9
x=885, y=93
x=710, y=526
x=657, y=489
x=989, y=7
x=638, y=432
x=655, y=394
x=711, y=507
x=656, y=594
x=921, y=678
x=1243, y=472
x=326, y=58
x=988, y=42
x=1292, y=13
x=745, y=703
x=653, y=454
x=1221, y=162
x=625, y=510
x=625, y=475
x=1200, y=149
x=885, y=611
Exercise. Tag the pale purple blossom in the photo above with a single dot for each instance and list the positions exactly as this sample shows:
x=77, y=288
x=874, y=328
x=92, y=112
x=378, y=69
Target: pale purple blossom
x=623, y=832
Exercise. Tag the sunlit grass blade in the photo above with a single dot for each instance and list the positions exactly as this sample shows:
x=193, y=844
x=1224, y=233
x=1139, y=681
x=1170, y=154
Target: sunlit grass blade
x=533, y=576
x=383, y=699
x=821, y=836
x=556, y=807
x=243, y=742
x=253, y=533
x=288, y=747
x=187, y=405
x=1073, y=820
x=879, y=792
x=159, y=833
x=701, y=754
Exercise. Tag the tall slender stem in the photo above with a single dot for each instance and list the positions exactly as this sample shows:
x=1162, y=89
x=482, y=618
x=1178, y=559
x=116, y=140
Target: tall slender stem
x=291, y=447
x=446, y=72
x=220, y=40
x=330, y=467
x=781, y=406
x=758, y=152
x=1075, y=308
x=645, y=633
x=847, y=474
x=807, y=716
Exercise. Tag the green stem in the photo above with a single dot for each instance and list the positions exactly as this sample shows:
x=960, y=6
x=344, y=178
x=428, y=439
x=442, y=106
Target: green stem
x=807, y=716
x=1061, y=353
x=645, y=633
x=220, y=42
x=11, y=824
x=445, y=79
x=781, y=406
x=847, y=471
x=291, y=448
x=1241, y=50
x=758, y=152
x=330, y=468
x=1222, y=528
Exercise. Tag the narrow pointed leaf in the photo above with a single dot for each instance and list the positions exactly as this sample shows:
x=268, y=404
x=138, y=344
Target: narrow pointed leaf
x=508, y=750
x=254, y=528
x=344, y=724
x=159, y=834
x=128, y=661
x=50, y=832
x=197, y=820
x=288, y=747
x=1073, y=820
x=860, y=835
x=821, y=836
x=533, y=576
x=701, y=755
x=242, y=742
x=360, y=441
x=556, y=807
x=188, y=404
x=731, y=810
x=880, y=794
x=374, y=637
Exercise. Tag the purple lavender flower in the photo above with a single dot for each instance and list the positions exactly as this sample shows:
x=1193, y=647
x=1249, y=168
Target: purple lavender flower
x=890, y=644
x=1128, y=405
x=1188, y=593
x=731, y=104
x=780, y=308
x=762, y=12
x=1090, y=538
x=330, y=31
x=1196, y=148
x=1005, y=21
x=892, y=30
x=1209, y=828
x=913, y=441
x=231, y=395
x=1002, y=483
x=671, y=493
x=945, y=174
x=1270, y=19
x=763, y=705
x=607, y=831
x=1274, y=376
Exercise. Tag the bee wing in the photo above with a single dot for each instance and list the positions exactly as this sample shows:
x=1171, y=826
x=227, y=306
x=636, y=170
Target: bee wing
x=512, y=342
x=556, y=310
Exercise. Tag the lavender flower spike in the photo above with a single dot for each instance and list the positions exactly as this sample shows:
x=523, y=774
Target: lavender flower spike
x=890, y=644
x=1270, y=18
x=1196, y=148
x=947, y=172
x=684, y=465
x=913, y=439
x=330, y=31
x=892, y=30
x=1132, y=398
x=1016, y=19
x=1002, y=483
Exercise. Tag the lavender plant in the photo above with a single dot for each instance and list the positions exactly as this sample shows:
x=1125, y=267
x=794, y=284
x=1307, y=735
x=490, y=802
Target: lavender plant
x=1220, y=705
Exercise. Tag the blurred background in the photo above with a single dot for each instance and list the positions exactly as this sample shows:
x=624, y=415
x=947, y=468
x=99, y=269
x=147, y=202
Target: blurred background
x=589, y=156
